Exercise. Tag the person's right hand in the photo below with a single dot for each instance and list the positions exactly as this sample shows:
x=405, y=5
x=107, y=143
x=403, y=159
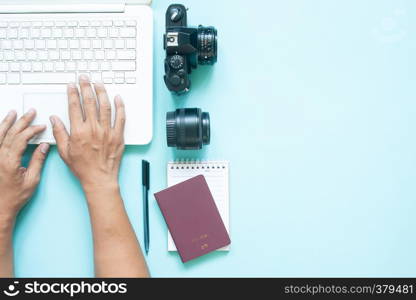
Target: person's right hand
x=94, y=147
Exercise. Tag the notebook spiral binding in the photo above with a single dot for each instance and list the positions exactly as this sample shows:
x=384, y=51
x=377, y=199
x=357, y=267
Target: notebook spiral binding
x=197, y=164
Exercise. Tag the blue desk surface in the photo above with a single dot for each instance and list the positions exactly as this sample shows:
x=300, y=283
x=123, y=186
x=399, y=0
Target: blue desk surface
x=313, y=104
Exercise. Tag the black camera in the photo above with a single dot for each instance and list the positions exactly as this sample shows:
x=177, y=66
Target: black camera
x=186, y=47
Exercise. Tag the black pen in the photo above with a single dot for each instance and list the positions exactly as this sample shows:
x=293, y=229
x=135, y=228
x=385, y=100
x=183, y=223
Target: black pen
x=146, y=185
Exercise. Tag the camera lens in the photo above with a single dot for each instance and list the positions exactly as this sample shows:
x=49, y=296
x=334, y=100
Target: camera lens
x=207, y=45
x=187, y=128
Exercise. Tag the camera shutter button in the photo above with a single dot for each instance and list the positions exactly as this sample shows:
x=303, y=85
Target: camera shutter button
x=175, y=80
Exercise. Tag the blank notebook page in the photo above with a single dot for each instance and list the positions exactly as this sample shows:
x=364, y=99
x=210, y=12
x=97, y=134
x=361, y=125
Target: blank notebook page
x=216, y=175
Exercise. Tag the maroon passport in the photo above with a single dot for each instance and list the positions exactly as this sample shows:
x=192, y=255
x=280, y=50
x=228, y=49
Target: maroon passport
x=193, y=218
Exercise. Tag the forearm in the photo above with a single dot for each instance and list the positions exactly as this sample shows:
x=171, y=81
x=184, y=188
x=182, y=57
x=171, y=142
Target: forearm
x=6, y=246
x=116, y=249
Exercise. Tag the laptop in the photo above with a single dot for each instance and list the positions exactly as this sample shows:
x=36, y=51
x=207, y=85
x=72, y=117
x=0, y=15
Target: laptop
x=45, y=45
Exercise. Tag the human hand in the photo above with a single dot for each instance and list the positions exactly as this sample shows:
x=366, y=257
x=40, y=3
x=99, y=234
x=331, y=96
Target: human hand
x=17, y=183
x=94, y=147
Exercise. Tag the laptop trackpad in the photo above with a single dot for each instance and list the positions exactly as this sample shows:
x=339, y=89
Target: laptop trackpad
x=46, y=104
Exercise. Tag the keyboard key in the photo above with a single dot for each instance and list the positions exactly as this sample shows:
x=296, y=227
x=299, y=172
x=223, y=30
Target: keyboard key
x=110, y=54
x=62, y=44
x=96, y=77
x=119, y=44
x=51, y=44
x=99, y=54
x=26, y=66
x=102, y=32
x=82, y=66
x=54, y=55
x=123, y=65
x=85, y=44
x=95, y=23
x=65, y=55
x=48, y=78
x=48, y=23
x=3, y=78
x=119, y=80
x=17, y=44
x=131, y=23
x=91, y=32
x=3, y=33
x=130, y=43
x=12, y=34
x=107, y=80
x=60, y=23
x=43, y=55
x=88, y=54
x=29, y=44
x=79, y=32
x=45, y=32
x=37, y=67
x=37, y=24
x=126, y=54
x=23, y=33
x=8, y=55
x=118, y=23
x=71, y=66
x=6, y=44
x=35, y=32
x=108, y=44
x=20, y=55
x=13, y=78
x=57, y=33
x=4, y=67
x=113, y=32
x=69, y=33
x=84, y=23
x=31, y=55
x=107, y=23
x=60, y=66
x=105, y=66
x=74, y=44
x=76, y=54
x=40, y=44
x=96, y=44
x=93, y=66
x=15, y=67
x=72, y=23
x=48, y=66
x=4, y=24
x=128, y=32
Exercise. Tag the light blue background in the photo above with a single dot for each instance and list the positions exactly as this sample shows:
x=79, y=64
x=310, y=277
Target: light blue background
x=313, y=104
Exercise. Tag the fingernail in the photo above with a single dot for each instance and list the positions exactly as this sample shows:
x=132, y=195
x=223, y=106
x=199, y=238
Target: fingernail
x=11, y=113
x=30, y=111
x=71, y=85
x=52, y=119
x=44, y=148
x=84, y=77
x=99, y=82
x=118, y=99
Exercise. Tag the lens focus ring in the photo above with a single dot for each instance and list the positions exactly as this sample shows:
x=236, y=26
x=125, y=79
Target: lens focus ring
x=207, y=45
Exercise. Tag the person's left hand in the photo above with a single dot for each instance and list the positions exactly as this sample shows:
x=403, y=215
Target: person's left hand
x=17, y=183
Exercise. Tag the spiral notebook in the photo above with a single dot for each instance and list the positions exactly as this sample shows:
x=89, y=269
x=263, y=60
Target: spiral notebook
x=216, y=175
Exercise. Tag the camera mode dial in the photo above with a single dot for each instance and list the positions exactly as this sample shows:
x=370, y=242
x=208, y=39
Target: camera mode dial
x=176, y=62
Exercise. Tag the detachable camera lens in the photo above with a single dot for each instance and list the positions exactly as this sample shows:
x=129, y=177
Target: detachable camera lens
x=207, y=45
x=187, y=128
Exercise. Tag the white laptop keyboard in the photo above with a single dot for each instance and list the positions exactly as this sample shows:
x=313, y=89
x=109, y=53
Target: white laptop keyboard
x=57, y=51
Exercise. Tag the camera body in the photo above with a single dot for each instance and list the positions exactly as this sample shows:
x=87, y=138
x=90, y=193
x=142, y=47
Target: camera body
x=186, y=47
